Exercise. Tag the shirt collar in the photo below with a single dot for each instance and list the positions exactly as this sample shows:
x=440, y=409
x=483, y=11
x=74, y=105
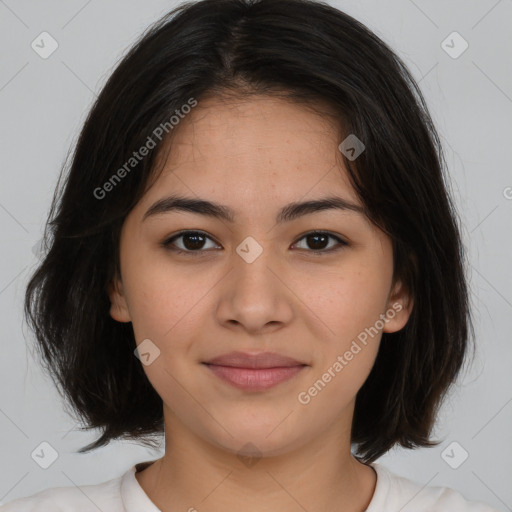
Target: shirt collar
x=132, y=495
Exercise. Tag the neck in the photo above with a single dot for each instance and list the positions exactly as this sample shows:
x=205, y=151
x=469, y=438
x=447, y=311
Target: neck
x=196, y=474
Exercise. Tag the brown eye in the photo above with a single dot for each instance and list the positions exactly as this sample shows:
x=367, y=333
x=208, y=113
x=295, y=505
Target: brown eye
x=192, y=241
x=317, y=241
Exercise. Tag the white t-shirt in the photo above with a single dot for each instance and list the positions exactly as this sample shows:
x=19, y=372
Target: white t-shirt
x=393, y=493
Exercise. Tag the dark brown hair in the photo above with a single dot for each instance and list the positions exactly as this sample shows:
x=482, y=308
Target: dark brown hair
x=308, y=52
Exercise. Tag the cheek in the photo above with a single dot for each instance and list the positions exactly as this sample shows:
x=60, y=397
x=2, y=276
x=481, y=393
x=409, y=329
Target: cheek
x=164, y=308
x=163, y=298
x=350, y=304
x=346, y=300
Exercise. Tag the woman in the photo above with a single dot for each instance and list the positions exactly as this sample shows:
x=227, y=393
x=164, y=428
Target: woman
x=254, y=253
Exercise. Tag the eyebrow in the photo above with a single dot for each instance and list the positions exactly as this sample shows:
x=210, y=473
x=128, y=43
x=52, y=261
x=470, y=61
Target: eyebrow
x=287, y=213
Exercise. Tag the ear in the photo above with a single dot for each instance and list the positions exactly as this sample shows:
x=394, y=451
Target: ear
x=399, y=308
x=118, y=305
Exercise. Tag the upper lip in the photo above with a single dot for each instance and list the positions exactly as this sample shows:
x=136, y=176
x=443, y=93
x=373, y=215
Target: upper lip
x=260, y=360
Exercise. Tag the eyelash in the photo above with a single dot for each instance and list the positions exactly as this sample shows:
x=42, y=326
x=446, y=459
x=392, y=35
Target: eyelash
x=167, y=243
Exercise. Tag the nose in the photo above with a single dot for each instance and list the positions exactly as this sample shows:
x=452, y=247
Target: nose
x=254, y=296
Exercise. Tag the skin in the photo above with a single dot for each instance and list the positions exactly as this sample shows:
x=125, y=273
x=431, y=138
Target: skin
x=256, y=155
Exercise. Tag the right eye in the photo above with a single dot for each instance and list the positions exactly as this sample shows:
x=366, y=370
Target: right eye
x=193, y=242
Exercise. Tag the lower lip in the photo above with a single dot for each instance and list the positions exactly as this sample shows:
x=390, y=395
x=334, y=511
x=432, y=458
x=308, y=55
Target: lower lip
x=252, y=379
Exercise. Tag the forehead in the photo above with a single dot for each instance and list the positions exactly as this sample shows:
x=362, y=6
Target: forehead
x=256, y=150
x=255, y=123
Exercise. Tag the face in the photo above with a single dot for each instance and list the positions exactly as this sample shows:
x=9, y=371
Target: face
x=260, y=280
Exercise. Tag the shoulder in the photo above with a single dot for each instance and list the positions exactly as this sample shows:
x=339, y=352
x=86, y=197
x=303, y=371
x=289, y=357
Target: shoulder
x=400, y=493
x=85, y=498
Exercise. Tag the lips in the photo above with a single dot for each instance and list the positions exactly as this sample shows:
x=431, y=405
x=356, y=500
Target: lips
x=261, y=360
x=254, y=372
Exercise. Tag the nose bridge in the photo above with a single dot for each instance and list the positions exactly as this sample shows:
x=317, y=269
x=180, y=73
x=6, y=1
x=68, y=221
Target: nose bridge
x=253, y=296
x=250, y=250
x=253, y=261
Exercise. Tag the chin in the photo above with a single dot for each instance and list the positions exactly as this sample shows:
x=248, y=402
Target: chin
x=258, y=437
x=257, y=447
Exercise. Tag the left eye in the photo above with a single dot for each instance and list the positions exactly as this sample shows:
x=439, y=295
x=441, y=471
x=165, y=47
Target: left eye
x=319, y=238
x=194, y=241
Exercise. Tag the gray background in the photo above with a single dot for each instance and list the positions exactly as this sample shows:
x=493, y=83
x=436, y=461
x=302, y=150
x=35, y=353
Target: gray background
x=43, y=103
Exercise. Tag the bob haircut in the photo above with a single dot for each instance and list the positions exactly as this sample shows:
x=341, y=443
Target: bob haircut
x=307, y=52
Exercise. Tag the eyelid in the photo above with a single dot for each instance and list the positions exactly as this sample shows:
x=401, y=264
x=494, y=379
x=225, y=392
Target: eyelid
x=168, y=241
